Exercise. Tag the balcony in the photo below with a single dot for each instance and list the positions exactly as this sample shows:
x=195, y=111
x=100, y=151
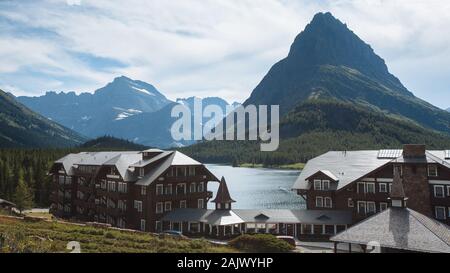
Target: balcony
x=185, y=196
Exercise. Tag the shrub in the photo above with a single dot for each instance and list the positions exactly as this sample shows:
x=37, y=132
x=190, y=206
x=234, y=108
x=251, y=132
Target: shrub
x=263, y=243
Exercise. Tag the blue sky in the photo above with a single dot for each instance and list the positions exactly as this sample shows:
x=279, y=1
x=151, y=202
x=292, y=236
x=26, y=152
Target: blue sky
x=206, y=47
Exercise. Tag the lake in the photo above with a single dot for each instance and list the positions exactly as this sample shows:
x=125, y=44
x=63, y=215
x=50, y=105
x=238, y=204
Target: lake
x=258, y=188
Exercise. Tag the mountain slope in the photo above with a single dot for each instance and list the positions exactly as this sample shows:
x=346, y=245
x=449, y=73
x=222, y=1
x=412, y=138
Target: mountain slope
x=22, y=128
x=91, y=114
x=107, y=142
x=327, y=60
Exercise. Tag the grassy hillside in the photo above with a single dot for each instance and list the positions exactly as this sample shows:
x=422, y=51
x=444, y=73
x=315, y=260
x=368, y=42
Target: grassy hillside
x=22, y=236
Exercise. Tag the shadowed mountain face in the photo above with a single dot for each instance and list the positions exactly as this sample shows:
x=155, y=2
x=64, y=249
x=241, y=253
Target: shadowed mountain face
x=92, y=114
x=22, y=128
x=327, y=60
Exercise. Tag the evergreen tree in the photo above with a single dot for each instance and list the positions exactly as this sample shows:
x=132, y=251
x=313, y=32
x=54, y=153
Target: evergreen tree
x=23, y=196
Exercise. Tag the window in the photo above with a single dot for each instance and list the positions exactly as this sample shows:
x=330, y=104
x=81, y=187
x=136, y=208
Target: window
x=61, y=180
x=141, y=172
x=432, y=170
x=170, y=172
x=361, y=187
x=122, y=187
x=448, y=190
x=143, y=190
x=325, y=185
x=181, y=171
x=122, y=205
x=398, y=169
x=350, y=203
x=111, y=186
x=191, y=171
x=68, y=180
x=200, y=204
x=227, y=205
x=168, y=189
x=192, y=187
x=159, y=189
x=219, y=206
x=168, y=206
x=142, y=225
x=361, y=207
x=383, y=206
x=328, y=202
x=439, y=191
x=440, y=213
x=319, y=202
x=370, y=187
x=317, y=185
x=390, y=187
x=158, y=226
x=138, y=205
x=182, y=204
x=181, y=189
x=371, y=208
x=159, y=207
x=201, y=186
x=382, y=187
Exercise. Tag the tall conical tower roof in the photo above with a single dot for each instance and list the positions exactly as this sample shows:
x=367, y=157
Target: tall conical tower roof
x=223, y=195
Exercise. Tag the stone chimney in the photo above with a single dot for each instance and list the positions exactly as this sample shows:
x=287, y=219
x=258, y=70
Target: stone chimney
x=414, y=150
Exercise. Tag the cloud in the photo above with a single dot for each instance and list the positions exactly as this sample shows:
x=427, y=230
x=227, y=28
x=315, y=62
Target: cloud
x=204, y=47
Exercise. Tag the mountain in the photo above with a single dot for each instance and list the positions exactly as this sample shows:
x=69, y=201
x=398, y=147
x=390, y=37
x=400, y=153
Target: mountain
x=22, y=128
x=334, y=93
x=153, y=129
x=92, y=114
x=448, y=109
x=108, y=142
x=327, y=60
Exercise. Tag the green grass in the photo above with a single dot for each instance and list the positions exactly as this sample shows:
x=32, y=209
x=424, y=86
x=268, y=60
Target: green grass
x=21, y=236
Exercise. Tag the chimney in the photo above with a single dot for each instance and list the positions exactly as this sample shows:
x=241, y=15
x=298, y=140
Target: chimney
x=414, y=150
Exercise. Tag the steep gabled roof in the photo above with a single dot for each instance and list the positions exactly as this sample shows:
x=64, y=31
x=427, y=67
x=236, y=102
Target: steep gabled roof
x=223, y=195
x=325, y=172
x=399, y=228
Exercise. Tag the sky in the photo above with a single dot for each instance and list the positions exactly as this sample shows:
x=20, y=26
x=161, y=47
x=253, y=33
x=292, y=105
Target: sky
x=206, y=47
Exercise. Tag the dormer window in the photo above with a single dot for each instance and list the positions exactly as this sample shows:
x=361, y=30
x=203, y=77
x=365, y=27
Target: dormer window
x=325, y=185
x=317, y=185
x=432, y=170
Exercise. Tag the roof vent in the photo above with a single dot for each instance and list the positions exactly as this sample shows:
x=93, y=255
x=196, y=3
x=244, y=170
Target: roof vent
x=261, y=216
x=323, y=217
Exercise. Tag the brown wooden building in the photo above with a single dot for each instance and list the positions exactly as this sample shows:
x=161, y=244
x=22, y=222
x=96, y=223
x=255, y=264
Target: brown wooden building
x=361, y=181
x=132, y=190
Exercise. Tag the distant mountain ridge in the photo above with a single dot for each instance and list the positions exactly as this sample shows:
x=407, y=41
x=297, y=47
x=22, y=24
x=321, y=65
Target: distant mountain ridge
x=22, y=128
x=90, y=114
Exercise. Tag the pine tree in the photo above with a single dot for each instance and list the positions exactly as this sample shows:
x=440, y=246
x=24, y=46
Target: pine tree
x=23, y=197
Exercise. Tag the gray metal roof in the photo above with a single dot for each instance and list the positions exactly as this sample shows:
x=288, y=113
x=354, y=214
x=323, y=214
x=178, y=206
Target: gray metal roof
x=345, y=166
x=4, y=202
x=236, y=216
x=400, y=228
x=349, y=166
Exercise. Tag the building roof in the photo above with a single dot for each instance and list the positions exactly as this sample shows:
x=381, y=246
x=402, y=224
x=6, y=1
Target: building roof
x=325, y=172
x=4, y=202
x=236, y=216
x=223, y=194
x=349, y=166
x=400, y=228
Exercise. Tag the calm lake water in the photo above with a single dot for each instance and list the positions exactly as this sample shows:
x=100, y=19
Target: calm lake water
x=258, y=188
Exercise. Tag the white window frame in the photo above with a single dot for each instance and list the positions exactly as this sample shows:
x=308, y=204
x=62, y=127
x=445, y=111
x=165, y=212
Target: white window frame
x=448, y=190
x=143, y=190
x=159, y=205
x=158, y=226
x=374, y=207
x=330, y=204
x=168, y=206
x=159, y=189
x=357, y=187
x=325, y=182
x=435, y=169
x=319, y=205
x=193, y=187
x=168, y=189
x=201, y=203
x=142, y=224
x=372, y=186
x=381, y=186
x=365, y=207
x=350, y=203
x=138, y=205
x=183, y=202
x=319, y=183
x=436, y=214
x=383, y=206
x=435, y=192
x=201, y=187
